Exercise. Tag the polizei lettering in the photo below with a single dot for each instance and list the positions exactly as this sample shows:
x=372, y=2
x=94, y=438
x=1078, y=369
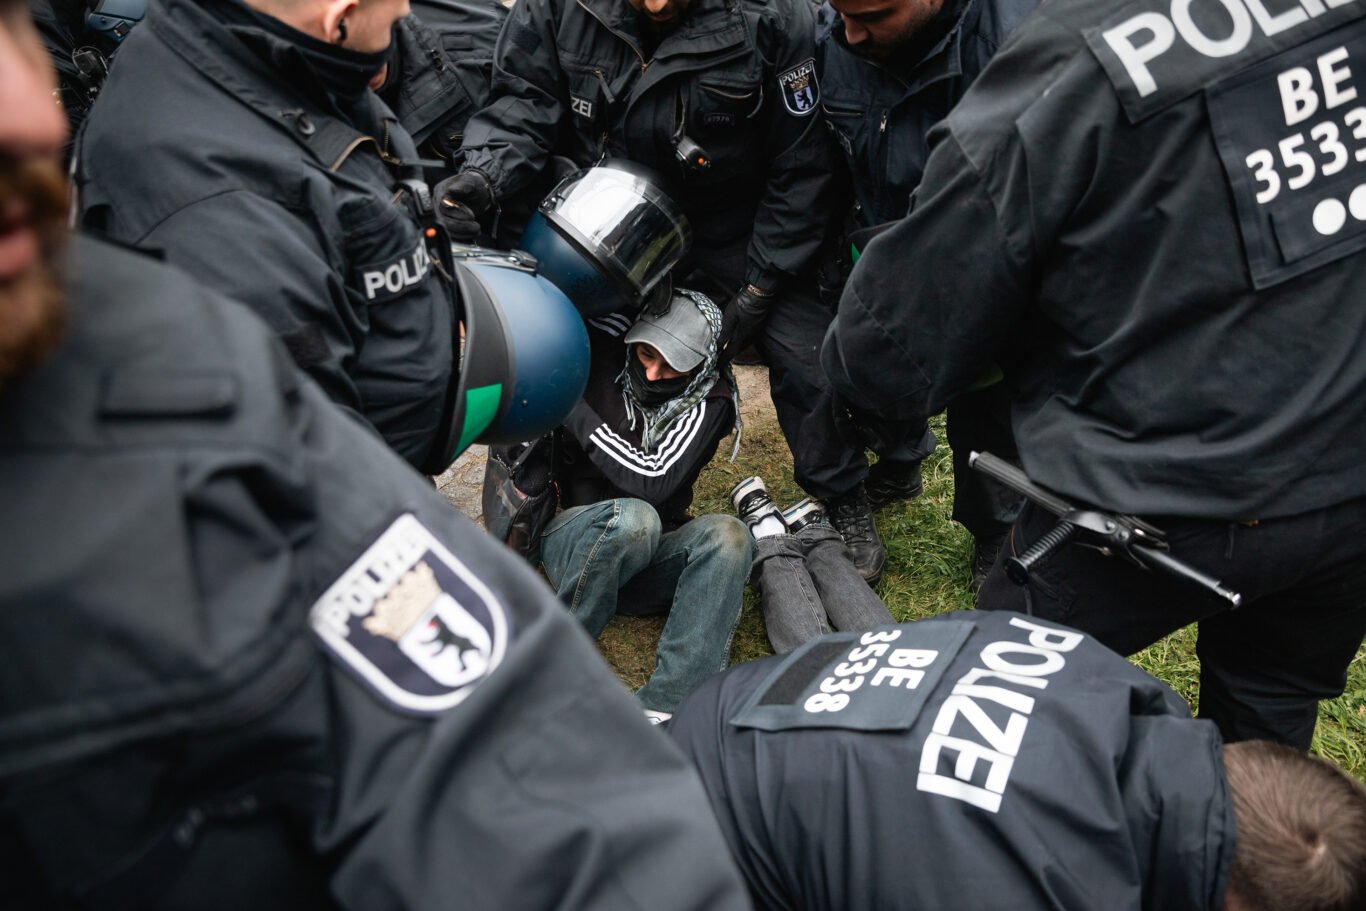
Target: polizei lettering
x=1226, y=30
x=1156, y=58
x=372, y=577
x=970, y=751
x=391, y=279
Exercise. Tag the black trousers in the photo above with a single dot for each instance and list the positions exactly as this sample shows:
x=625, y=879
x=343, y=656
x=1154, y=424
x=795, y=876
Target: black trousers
x=826, y=459
x=1263, y=666
x=979, y=421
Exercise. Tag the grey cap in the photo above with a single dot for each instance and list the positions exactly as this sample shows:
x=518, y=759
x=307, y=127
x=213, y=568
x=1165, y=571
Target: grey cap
x=682, y=333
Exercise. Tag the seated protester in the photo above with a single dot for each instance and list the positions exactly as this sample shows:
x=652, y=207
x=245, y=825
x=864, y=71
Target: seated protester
x=248, y=658
x=657, y=404
x=807, y=584
x=990, y=761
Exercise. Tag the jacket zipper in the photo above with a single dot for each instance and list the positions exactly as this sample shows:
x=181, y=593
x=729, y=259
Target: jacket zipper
x=606, y=87
x=644, y=64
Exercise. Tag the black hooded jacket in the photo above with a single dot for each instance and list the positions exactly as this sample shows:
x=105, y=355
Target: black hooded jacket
x=982, y=761
x=233, y=161
x=1162, y=250
x=574, y=78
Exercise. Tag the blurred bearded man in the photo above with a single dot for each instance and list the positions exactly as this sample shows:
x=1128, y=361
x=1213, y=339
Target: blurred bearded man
x=32, y=206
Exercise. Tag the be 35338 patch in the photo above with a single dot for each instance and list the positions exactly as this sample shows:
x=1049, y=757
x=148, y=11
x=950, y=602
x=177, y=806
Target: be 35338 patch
x=801, y=93
x=1291, y=134
x=874, y=681
x=412, y=622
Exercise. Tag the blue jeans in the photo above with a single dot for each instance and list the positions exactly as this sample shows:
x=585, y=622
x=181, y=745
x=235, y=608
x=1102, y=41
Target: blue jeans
x=807, y=585
x=613, y=556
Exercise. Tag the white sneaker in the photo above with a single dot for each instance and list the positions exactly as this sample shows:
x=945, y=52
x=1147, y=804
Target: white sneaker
x=752, y=503
x=803, y=513
x=657, y=717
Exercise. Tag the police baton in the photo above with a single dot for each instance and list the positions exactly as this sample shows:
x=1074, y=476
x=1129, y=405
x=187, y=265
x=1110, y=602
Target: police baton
x=1141, y=542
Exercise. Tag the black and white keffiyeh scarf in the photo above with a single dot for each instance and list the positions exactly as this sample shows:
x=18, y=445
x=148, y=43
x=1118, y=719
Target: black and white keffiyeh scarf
x=657, y=419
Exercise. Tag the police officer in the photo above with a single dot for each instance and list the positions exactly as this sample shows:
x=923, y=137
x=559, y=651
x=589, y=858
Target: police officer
x=250, y=659
x=1150, y=219
x=991, y=761
x=721, y=99
x=241, y=141
x=889, y=70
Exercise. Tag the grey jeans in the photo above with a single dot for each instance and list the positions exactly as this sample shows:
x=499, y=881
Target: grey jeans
x=807, y=586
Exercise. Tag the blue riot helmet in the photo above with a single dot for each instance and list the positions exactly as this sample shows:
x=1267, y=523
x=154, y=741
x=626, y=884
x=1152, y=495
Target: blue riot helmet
x=112, y=20
x=608, y=236
x=524, y=358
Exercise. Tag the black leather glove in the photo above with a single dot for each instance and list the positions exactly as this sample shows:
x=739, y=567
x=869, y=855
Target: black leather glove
x=742, y=319
x=462, y=202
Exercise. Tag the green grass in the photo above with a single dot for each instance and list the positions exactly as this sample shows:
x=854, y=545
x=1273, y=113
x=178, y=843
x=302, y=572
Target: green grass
x=928, y=559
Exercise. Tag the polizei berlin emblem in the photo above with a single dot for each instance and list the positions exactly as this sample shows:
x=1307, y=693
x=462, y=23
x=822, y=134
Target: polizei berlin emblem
x=412, y=622
x=800, y=91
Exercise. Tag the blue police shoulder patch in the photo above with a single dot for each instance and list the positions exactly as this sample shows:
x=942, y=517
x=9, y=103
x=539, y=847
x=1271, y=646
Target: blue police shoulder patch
x=412, y=622
x=801, y=93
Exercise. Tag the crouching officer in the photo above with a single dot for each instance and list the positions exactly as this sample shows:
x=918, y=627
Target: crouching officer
x=241, y=141
x=990, y=761
x=250, y=659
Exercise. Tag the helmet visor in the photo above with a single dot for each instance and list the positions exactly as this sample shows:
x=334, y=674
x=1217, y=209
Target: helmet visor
x=629, y=226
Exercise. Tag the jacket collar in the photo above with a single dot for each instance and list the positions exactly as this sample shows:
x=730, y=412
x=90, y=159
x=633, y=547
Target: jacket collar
x=203, y=42
x=708, y=27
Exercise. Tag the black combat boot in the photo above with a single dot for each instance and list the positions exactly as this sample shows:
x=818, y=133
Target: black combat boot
x=984, y=551
x=890, y=481
x=852, y=517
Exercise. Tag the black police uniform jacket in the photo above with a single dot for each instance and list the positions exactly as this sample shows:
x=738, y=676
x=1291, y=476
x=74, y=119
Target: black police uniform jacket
x=572, y=78
x=248, y=175
x=440, y=65
x=978, y=761
x=602, y=455
x=881, y=112
x=202, y=700
x=1160, y=241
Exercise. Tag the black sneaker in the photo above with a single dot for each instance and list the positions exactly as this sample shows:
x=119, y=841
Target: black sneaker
x=984, y=551
x=853, y=519
x=752, y=502
x=803, y=513
x=890, y=481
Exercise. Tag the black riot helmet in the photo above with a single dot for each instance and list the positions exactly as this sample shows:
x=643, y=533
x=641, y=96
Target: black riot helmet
x=608, y=236
x=523, y=359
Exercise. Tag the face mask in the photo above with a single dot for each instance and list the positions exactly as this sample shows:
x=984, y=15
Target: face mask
x=652, y=393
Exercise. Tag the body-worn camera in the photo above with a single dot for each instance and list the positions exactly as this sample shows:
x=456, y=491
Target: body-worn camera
x=692, y=156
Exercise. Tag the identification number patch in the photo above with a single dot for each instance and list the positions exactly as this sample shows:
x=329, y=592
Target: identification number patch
x=1291, y=134
x=412, y=622
x=874, y=681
